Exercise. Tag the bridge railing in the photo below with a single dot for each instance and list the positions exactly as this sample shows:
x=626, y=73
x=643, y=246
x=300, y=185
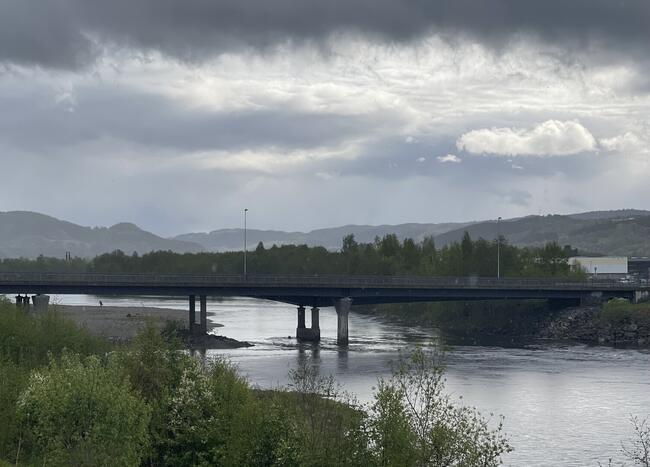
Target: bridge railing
x=343, y=281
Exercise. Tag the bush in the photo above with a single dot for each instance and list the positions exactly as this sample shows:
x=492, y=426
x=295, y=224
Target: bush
x=329, y=422
x=82, y=412
x=13, y=380
x=27, y=339
x=414, y=422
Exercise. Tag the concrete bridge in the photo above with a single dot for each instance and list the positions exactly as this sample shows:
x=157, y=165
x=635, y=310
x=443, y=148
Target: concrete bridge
x=317, y=291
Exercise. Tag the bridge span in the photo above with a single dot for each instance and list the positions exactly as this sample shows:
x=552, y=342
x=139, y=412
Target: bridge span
x=317, y=291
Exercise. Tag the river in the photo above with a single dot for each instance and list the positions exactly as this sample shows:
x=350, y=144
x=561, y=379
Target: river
x=564, y=405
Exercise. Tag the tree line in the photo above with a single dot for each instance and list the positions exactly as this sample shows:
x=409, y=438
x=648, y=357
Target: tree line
x=385, y=256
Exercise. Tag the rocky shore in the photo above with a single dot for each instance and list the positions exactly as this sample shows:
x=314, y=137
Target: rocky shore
x=589, y=324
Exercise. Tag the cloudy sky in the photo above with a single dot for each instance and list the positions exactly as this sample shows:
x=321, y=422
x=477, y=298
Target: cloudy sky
x=177, y=114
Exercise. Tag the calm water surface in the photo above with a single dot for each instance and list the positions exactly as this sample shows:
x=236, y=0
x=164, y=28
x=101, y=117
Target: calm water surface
x=564, y=405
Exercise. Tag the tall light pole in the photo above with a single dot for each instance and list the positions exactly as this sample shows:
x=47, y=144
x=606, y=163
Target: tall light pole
x=498, y=248
x=245, y=211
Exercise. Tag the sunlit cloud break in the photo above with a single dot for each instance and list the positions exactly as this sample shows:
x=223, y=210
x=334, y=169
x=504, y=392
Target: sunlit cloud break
x=550, y=138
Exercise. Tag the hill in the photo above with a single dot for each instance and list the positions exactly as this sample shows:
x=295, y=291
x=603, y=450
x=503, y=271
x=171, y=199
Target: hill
x=622, y=232
x=625, y=232
x=232, y=239
x=29, y=234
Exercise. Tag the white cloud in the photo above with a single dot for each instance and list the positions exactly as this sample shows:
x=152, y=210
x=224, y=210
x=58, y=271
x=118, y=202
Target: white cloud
x=449, y=158
x=550, y=138
x=421, y=159
x=628, y=144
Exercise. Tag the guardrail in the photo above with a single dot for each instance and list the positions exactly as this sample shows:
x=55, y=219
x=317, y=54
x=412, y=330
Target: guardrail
x=349, y=281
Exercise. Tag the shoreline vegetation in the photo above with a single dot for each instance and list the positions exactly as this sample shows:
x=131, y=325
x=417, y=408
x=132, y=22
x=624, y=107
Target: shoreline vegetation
x=616, y=323
x=70, y=398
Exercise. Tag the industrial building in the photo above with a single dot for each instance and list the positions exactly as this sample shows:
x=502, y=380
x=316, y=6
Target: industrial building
x=613, y=267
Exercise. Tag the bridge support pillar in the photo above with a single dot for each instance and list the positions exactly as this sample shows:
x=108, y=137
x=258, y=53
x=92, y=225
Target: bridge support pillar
x=641, y=296
x=315, y=319
x=301, y=319
x=192, y=323
x=204, y=314
x=342, y=306
x=312, y=333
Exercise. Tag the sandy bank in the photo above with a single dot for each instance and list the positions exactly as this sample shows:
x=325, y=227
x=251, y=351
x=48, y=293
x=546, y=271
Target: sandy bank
x=122, y=322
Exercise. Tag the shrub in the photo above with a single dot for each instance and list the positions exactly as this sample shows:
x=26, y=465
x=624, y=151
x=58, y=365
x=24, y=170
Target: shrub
x=82, y=412
x=414, y=422
x=27, y=339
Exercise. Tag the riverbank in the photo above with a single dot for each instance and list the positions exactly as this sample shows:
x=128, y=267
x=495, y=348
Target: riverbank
x=620, y=325
x=525, y=322
x=123, y=323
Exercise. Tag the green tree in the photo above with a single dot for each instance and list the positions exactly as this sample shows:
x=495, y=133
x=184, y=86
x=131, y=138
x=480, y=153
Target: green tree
x=82, y=412
x=414, y=417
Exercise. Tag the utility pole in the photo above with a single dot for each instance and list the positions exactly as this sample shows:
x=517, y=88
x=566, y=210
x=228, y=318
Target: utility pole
x=245, y=211
x=498, y=248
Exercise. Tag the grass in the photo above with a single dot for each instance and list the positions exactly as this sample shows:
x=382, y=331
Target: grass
x=622, y=311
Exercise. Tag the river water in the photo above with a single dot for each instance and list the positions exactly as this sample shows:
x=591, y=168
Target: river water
x=564, y=405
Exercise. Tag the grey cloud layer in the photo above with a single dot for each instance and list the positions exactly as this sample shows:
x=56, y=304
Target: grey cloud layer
x=160, y=122
x=70, y=33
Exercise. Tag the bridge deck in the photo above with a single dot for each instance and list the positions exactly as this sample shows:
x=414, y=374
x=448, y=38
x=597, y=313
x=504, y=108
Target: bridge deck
x=315, y=289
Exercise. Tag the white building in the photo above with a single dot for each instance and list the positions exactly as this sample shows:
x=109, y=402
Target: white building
x=605, y=265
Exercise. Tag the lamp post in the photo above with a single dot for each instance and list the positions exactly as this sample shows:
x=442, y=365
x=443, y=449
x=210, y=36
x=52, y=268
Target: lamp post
x=245, y=211
x=498, y=248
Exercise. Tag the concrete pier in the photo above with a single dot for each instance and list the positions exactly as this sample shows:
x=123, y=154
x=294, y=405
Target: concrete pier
x=301, y=319
x=41, y=303
x=315, y=319
x=312, y=333
x=342, y=306
x=192, y=323
x=22, y=302
x=204, y=314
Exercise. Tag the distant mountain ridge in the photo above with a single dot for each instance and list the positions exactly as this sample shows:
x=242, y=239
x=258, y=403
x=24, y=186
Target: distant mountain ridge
x=623, y=232
x=330, y=238
x=29, y=234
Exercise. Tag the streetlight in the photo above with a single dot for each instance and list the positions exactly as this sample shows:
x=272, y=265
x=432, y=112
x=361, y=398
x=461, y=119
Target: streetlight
x=498, y=248
x=245, y=211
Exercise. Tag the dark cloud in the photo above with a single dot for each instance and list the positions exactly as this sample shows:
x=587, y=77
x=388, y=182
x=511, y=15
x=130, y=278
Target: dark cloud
x=39, y=123
x=68, y=33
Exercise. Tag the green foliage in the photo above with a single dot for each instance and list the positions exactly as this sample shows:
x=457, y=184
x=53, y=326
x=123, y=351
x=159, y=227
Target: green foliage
x=28, y=339
x=213, y=418
x=329, y=422
x=13, y=378
x=619, y=311
x=387, y=256
x=150, y=404
x=414, y=422
x=82, y=412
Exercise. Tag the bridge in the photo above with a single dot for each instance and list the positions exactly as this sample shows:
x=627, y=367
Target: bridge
x=318, y=291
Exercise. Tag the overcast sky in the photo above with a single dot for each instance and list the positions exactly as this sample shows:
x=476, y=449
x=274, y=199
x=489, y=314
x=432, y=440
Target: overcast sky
x=177, y=114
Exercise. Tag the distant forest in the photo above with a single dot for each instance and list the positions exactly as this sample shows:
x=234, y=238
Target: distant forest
x=385, y=256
